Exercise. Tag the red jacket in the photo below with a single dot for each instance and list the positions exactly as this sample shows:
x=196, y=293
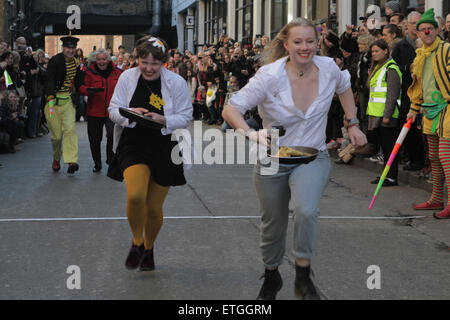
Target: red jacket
x=98, y=102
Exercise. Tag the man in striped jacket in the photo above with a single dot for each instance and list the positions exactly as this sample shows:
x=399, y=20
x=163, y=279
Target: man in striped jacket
x=430, y=95
x=62, y=74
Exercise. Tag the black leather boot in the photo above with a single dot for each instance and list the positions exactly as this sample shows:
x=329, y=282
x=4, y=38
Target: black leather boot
x=73, y=166
x=134, y=256
x=304, y=287
x=272, y=284
x=147, y=261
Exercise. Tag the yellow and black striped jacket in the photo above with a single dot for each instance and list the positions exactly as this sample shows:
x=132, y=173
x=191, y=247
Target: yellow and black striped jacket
x=57, y=73
x=441, y=70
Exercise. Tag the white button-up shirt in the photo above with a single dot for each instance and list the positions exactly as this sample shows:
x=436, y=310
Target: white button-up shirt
x=271, y=90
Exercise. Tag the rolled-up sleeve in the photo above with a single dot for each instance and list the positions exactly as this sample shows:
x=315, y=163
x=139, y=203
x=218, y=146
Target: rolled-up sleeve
x=343, y=82
x=182, y=115
x=253, y=94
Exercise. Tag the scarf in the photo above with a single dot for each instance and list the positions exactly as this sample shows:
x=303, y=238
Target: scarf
x=422, y=55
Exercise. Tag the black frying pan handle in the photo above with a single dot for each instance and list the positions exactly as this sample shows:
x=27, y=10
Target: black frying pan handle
x=281, y=130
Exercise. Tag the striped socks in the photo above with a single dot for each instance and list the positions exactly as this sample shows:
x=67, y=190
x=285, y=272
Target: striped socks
x=439, y=154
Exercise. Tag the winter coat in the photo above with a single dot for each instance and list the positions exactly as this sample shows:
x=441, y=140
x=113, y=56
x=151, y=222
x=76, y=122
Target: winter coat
x=98, y=102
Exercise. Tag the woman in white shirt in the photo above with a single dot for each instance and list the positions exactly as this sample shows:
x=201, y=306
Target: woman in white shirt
x=294, y=89
x=143, y=156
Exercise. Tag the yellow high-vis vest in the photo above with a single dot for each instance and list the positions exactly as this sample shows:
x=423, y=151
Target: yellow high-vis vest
x=378, y=91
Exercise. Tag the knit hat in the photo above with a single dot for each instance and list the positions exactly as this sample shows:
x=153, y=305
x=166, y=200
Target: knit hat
x=428, y=17
x=393, y=5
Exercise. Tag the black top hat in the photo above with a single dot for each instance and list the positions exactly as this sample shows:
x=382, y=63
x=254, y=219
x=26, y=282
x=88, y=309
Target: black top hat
x=69, y=41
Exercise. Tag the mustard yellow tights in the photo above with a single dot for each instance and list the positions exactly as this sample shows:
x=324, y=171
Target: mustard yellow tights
x=145, y=199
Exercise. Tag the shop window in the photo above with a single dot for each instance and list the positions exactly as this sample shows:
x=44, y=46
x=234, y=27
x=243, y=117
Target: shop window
x=279, y=16
x=244, y=21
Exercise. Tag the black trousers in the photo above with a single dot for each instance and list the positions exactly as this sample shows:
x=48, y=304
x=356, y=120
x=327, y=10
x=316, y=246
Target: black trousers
x=414, y=146
x=13, y=128
x=95, y=134
x=197, y=113
x=386, y=139
x=335, y=121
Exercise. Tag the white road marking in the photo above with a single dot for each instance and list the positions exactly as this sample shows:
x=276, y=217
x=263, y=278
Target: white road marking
x=202, y=218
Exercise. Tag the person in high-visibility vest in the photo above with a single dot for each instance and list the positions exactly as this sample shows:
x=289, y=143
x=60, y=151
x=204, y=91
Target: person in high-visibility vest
x=384, y=101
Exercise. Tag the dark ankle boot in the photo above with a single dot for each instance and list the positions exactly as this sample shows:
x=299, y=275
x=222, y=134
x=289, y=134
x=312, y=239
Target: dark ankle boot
x=147, y=261
x=272, y=284
x=73, y=167
x=304, y=287
x=134, y=256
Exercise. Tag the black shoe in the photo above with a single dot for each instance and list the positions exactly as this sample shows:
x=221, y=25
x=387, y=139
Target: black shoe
x=340, y=161
x=304, y=287
x=413, y=167
x=387, y=182
x=390, y=182
x=272, y=284
x=147, y=261
x=97, y=169
x=73, y=166
x=11, y=149
x=134, y=256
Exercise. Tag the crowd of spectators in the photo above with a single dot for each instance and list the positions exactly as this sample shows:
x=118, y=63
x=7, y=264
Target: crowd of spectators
x=22, y=74
x=216, y=71
x=351, y=51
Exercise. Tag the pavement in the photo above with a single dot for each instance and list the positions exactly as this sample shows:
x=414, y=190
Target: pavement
x=208, y=247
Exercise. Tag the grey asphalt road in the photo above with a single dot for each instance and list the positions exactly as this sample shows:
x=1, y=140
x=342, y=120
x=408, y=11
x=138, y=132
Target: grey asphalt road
x=197, y=255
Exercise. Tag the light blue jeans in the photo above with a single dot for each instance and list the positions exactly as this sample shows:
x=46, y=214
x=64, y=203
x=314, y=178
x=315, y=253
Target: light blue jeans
x=305, y=184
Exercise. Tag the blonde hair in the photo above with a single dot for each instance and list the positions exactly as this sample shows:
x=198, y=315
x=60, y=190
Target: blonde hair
x=366, y=39
x=12, y=107
x=276, y=49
